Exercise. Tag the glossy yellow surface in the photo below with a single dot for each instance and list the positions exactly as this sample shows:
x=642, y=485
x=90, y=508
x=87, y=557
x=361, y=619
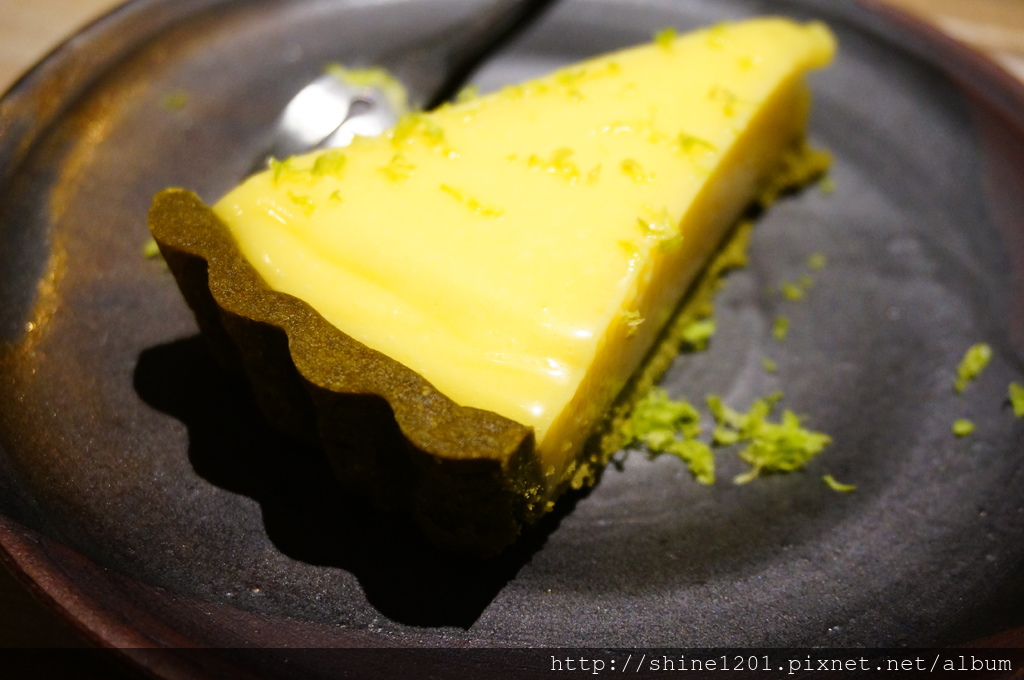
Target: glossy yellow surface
x=522, y=250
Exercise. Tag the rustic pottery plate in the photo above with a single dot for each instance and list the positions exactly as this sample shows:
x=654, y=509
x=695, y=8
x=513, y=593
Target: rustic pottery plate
x=142, y=495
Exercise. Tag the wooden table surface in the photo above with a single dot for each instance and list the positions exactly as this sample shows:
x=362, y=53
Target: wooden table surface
x=30, y=28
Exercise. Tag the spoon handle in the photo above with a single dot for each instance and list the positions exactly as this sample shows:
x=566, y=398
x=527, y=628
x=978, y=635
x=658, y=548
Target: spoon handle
x=434, y=71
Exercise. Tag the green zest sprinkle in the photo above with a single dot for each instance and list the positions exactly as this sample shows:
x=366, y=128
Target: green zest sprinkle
x=330, y=163
x=174, y=101
x=635, y=171
x=724, y=437
x=730, y=418
x=513, y=92
x=661, y=228
x=335, y=196
x=281, y=171
x=792, y=291
x=838, y=486
x=780, y=328
x=570, y=76
x=769, y=365
x=399, y=168
x=796, y=290
x=657, y=227
x=728, y=99
x=657, y=417
x=644, y=128
x=467, y=94
x=150, y=249
x=667, y=425
x=632, y=321
x=827, y=185
x=570, y=79
x=698, y=456
x=665, y=37
x=773, y=447
x=962, y=427
x=1017, y=399
x=472, y=203
x=417, y=127
x=974, y=362
x=630, y=248
x=305, y=203
x=557, y=164
x=374, y=77
x=730, y=423
x=688, y=144
x=717, y=35
x=698, y=333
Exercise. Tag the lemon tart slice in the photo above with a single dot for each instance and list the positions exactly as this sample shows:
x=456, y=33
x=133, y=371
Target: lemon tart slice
x=452, y=308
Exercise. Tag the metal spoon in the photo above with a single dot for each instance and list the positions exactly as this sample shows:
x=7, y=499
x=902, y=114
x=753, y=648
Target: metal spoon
x=329, y=111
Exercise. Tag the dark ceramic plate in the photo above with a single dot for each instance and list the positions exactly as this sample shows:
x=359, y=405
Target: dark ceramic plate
x=143, y=495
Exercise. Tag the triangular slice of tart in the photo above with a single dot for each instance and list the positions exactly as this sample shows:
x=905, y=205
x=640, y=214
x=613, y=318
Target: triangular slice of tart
x=451, y=309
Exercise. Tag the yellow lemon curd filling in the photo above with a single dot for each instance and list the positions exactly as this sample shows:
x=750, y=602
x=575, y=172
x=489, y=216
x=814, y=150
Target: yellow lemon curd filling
x=522, y=250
